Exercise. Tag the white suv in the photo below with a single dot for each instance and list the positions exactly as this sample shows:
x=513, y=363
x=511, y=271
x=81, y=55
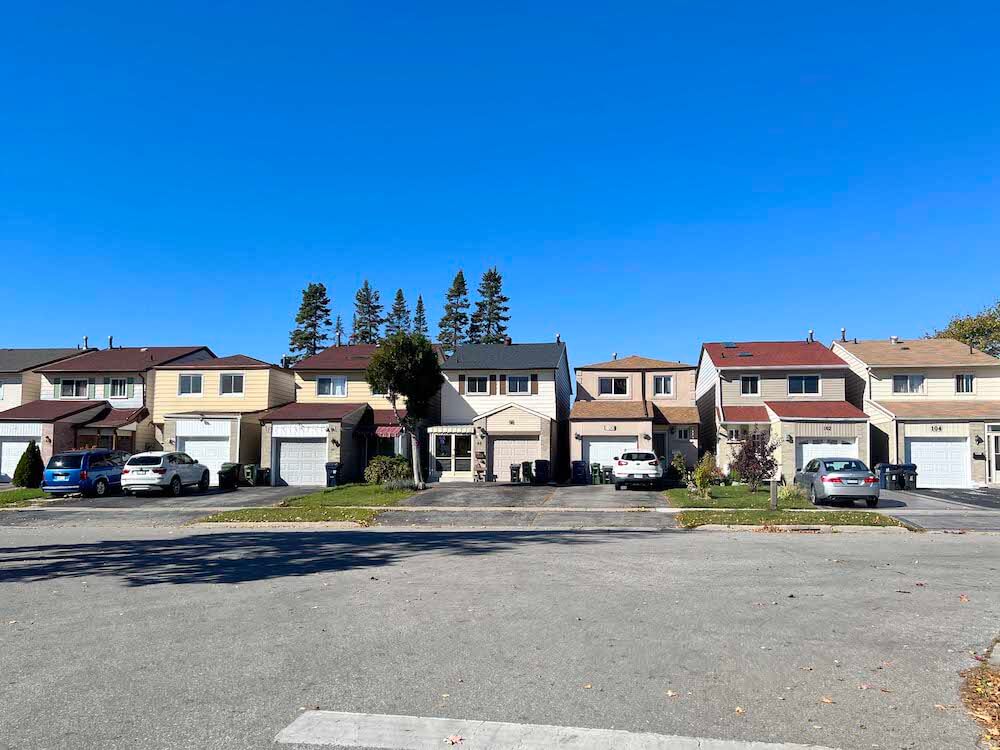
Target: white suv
x=170, y=472
x=637, y=467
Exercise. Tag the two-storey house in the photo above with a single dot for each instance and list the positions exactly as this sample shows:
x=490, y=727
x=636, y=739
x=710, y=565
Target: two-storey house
x=211, y=409
x=502, y=404
x=21, y=383
x=791, y=392
x=99, y=398
x=933, y=402
x=634, y=403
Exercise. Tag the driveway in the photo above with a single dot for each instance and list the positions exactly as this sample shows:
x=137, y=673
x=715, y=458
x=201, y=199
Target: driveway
x=954, y=510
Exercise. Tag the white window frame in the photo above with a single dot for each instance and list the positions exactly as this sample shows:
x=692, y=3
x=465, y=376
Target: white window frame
x=235, y=394
x=971, y=380
x=738, y=433
x=668, y=380
x=756, y=379
x=111, y=387
x=486, y=385
x=192, y=394
x=819, y=383
x=909, y=384
x=613, y=378
x=86, y=387
x=519, y=378
x=683, y=433
x=333, y=379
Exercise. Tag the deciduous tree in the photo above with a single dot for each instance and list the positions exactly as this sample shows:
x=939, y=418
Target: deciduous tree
x=981, y=330
x=755, y=459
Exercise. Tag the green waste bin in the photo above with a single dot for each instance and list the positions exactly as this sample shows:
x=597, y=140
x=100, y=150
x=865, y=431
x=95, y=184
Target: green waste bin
x=229, y=476
x=595, y=473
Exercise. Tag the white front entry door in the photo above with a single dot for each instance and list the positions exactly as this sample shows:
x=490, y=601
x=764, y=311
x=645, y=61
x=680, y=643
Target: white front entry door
x=603, y=450
x=807, y=449
x=941, y=462
x=208, y=451
x=11, y=450
x=512, y=450
x=300, y=462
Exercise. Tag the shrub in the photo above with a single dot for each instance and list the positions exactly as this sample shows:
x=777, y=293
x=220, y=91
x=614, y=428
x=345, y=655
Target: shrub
x=383, y=468
x=678, y=465
x=705, y=473
x=399, y=484
x=30, y=469
x=791, y=494
x=755, y=459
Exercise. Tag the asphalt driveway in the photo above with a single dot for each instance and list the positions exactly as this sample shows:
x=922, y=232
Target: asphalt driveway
x=956, y=510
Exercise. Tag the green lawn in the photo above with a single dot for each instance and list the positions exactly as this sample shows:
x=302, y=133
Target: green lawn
x=736, y=496
x=690, y=518
x=19, y=498
x=337, y=504
x=348, y=495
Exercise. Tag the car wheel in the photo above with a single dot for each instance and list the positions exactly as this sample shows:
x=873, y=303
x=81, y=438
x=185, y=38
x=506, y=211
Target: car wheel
x=812, y=496
x=203, y=483
x=872, y=502
x=175, y=487
x=100, y=488
x=618, y=487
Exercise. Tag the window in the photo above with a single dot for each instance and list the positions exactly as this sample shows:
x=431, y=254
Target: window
x=847, y=464
x=231, y=384
x=333, y=386
x=478, y=384
x=453, y=450
x=463, y=452
x=518, y=384
x=118, y=388
x=189, y=385
x=738, y=433
x=663, y=385
x=750, y=385
x=73, y=388
x=442, y=453
x=612, y=386
x=907, y=383
x=965, y=383
x=812, y=466
x=638, y=456
x=683, y=433
x=803, y=384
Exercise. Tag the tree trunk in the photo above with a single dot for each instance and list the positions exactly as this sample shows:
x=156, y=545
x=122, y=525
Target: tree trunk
x=415, y=460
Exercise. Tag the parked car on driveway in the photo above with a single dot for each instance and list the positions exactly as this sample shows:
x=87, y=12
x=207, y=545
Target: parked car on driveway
x=165, y=471
x=90, y=472
x=636, y=467
x=838, y=479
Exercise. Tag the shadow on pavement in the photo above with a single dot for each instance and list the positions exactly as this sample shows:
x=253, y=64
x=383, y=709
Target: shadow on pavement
x=239, y=557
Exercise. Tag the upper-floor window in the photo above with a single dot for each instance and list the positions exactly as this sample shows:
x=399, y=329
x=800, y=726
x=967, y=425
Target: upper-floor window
x=478, y=384
x=333, y=386
x=965, y=383
x=518, y=384
x=189, y=385
x=118, y=388
x=231, y=384
x=907, y=383
x=798, y=384
x=612, y=386
x=750, y=385
x=663, y=385
x=73, y=388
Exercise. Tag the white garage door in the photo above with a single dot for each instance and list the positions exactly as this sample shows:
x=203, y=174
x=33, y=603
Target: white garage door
x=301, y=462
x=507, y=451
x=941, y=462
x=807, y=450
x=209, y=451
x=11, y=450
x=603, y=450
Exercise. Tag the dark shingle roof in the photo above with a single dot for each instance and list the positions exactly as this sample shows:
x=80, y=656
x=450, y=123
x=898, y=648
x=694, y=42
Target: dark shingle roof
x=232, y=362
x=301, y=411
x=124, y=359
x=47, y=410
x=19, y=360
x=506, y=357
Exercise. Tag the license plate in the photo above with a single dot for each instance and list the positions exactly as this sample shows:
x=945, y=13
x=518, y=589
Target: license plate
x=140, y=472
x=61, y=478
x=634, y=476
x=852, y=481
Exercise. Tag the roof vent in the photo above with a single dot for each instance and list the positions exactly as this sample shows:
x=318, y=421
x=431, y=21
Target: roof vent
x=111, y=342
x=144, y=349
x=843, y=334
x=810, y=339
x=558, y=339
x=744, y=354
x=85, y=342
x=614, y=356
x=894, y=340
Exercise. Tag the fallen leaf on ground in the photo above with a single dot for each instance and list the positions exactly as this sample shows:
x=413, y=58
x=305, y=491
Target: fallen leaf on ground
x=826, y=699
x=864, y=686
x=588, y=686
x=939, y=707
x=920, y=583
x=963, y=599
x=454, y=739
x=671, y=694
x=740, y=711
x=885, y=690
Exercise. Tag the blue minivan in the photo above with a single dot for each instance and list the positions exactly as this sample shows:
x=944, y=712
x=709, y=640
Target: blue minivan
x=91, y=472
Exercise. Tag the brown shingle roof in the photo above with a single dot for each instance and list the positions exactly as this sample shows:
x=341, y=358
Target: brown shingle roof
x=350, y=357
x=123, y=359
x=635, y=362
x=673, y=414
x=609, y=410
x=304, y=412
x=816, y=410
x=119, y=417
x=921, y=409
x=47, y=410
x=233, y=362
x=917, y=353
x=745, y=414
x=749, y=355
x=386, y=417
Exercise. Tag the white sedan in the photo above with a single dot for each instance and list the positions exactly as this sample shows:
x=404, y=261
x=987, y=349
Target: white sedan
x=169, y=472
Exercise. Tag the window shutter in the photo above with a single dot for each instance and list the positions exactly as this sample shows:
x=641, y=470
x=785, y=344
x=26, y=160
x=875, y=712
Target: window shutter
x=461, y=384
x=107, y=387
x=534, y=384
x=91, y=388
x=493, y=385
x=130, y=392
x=56, y=385
x=503, y=385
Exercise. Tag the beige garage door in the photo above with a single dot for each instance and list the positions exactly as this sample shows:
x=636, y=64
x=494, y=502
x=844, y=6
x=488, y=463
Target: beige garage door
x=512, y=450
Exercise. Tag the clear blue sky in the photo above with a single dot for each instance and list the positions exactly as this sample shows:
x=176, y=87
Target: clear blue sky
x=646, y=176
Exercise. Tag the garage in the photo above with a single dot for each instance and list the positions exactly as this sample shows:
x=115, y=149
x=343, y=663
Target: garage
x=604, y=450
x=807, y=450
x=209, y=451
x=11, y=450
x=300, y=462
x=512, y=450
x=941, y=462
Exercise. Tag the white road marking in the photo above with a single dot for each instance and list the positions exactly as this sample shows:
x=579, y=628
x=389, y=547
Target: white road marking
x=346, y=730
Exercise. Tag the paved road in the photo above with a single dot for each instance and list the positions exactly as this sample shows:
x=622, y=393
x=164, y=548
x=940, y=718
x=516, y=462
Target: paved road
x=183, y=638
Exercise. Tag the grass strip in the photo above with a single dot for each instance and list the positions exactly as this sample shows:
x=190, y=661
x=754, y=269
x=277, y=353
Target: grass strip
x=735, y=496
x=19, y=498
x=347, y=495
x=293, y=515
x=689, y=519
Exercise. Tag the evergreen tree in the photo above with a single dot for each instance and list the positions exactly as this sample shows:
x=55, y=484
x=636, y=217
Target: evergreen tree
x=489, y=321
x=452, y=326
x=338, y=330
x=313, y=321
x=420, y=317
x=399, y=316
x=30, y=469
x=367, y=316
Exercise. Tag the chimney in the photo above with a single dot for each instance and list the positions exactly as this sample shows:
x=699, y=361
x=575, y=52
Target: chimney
x=558, y=339
x=85, y=343
x=507, y=341
x=810, y=339
x=843, y=334
x=111, y=342
x=894, y=340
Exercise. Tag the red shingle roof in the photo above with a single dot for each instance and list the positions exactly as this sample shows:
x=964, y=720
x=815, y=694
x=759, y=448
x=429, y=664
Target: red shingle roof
x=745, y=414
x=351, y=357
x=816, y=410
x=772, y=354
x=303, y=412
x=234, y=362
x=47, y=410
x=123, y=359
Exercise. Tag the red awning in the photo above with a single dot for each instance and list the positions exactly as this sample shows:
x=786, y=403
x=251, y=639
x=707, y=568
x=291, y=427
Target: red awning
x=385, y=431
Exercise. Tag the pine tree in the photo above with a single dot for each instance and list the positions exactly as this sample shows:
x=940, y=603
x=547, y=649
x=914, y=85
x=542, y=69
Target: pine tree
x=489, y=321
x=399, y=316
x=338, y=330
x=452, y=326
x=313, y=321
x=420, y=317
x=367, y=316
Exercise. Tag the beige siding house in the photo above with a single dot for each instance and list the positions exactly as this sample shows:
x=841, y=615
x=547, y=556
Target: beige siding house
x=634, y=403
x=792, y=392
x=933, y=402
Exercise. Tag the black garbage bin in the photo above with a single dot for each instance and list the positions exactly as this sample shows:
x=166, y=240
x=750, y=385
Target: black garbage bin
x=229, y=476
x=264, y=476
x=579, y=472
x=526, y=472
x=889, y=476
x=515, y=473
x=543, y=470
x=332, y=469
x=908, y=476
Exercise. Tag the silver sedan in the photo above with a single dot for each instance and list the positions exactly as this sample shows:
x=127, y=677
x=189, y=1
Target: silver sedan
x=838, y=479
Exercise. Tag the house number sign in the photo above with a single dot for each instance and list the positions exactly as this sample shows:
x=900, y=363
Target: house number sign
x=937, y=428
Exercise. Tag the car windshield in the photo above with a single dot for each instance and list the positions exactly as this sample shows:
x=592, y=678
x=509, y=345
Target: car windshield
x=145, y=461
x=638, y=457
x=66, y=462
x=848, y=464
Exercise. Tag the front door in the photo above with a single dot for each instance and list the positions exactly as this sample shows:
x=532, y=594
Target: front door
x=660, y=445
x=994, y=442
